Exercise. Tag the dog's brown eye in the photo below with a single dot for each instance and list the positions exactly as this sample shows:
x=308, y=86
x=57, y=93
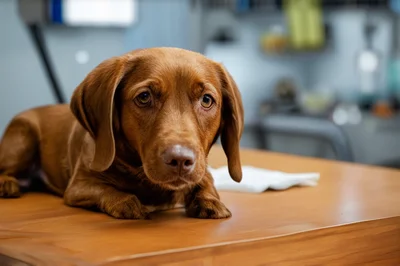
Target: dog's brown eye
x=207, y=101
x=143, y=99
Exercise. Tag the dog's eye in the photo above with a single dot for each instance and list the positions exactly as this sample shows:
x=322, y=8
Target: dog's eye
x=207, y=101
x=143, y=99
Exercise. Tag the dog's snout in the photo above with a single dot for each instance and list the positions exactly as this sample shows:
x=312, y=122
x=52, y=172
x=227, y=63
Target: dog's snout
x=179, y=159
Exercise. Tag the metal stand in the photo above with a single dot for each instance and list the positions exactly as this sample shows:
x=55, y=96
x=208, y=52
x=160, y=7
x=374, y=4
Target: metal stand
x=38, y=40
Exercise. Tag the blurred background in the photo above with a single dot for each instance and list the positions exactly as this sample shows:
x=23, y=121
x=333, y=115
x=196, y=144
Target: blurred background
x=318, y=78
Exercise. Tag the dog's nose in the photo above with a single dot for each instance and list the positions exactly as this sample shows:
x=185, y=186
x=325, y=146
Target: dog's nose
x=179, y=159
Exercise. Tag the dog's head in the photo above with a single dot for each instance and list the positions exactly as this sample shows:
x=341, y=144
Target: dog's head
x=169, y=105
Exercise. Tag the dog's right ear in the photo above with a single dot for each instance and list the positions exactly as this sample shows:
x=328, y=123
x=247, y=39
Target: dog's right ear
x=92, y=103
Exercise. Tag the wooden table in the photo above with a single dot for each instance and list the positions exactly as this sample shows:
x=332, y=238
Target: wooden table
x=352, y=216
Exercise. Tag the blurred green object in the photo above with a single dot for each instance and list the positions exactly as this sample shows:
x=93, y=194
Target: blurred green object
x=296, y=22
x=305, y=23
x=315, y=24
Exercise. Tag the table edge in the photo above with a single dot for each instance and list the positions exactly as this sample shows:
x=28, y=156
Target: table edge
x=144, y=257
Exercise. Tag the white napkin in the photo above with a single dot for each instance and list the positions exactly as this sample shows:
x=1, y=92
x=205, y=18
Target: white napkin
x=258, y=180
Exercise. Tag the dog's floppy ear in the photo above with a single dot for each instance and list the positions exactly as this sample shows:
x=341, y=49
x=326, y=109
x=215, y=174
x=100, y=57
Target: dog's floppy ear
x=232, y=122
x=92, y=103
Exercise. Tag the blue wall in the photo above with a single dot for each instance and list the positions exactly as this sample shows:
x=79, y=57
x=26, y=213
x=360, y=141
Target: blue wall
x=168, y=23
x=161, y=23
x=23, y=83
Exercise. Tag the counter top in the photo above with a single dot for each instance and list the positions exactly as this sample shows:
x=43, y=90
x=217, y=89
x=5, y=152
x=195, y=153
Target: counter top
x=353, y=215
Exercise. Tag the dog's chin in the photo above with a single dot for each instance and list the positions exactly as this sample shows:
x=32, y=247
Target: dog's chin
x=178, y=184
x=172, y=182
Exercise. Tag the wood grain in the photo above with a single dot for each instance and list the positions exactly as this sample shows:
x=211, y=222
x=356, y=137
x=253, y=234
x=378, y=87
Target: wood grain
x=372, y=242
x=352, y=216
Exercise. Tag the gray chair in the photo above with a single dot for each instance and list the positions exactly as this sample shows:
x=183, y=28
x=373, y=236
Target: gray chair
x=304, y=126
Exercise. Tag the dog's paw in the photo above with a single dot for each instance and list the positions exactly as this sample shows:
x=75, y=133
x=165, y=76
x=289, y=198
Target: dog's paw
x=9, y=187
x=128, y=208
x=208, y=209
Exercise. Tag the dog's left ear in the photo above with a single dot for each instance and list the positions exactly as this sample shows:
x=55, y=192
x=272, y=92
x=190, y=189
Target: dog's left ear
x=92, y=103
x=232, y=122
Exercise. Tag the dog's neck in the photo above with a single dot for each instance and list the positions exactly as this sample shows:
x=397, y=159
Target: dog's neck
x=126, y=157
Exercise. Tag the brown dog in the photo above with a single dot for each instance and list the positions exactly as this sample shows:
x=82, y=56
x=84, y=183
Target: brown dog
x=137, y=138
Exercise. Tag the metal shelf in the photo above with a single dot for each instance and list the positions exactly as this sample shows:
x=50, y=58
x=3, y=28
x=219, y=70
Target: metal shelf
x=276, y=5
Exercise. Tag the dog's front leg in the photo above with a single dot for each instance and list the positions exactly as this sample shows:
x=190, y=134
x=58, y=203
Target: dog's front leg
x=86, y=190
x=203, y=201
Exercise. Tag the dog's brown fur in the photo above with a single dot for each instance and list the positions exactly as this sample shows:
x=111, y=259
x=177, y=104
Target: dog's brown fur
x=105, y=154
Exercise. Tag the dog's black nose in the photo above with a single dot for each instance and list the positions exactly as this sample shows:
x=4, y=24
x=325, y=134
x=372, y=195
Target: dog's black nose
x=179, y=159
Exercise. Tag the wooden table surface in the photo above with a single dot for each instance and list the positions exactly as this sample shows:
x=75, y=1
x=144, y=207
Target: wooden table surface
x=352, y=216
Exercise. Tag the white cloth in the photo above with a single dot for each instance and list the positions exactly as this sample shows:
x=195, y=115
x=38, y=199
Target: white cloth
x=258, y=180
